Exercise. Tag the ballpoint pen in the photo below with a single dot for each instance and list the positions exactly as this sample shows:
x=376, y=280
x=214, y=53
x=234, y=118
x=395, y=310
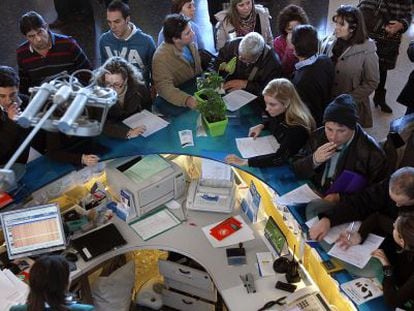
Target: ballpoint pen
x=350, y=231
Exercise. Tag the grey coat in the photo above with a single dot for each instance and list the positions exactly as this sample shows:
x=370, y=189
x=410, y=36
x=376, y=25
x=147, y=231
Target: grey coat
x=357, y=74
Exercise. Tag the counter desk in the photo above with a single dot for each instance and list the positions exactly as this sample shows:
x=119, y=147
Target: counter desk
x=43, y=171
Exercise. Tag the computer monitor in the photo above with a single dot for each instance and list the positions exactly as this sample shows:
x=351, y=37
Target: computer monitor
x=275, y=237
x=33, y=231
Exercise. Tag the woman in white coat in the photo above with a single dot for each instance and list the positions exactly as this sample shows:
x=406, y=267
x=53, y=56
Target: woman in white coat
x=242, y=17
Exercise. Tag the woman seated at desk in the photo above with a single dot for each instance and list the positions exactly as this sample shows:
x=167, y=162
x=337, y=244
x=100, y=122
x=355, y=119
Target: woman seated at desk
x=133, y=96
x=290, y=122
x=49, y=281
x=397, y=261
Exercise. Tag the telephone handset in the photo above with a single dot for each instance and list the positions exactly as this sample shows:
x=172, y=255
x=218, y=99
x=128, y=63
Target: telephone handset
x=307, y=299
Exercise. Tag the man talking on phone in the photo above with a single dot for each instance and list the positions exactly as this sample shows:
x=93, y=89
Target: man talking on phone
x=11, y=103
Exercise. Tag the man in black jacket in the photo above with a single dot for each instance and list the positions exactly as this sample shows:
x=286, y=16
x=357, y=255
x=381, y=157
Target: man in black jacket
x=390, y=197
x=314, y=73
x=11, y=134
x=256, y=65
x=340, y=145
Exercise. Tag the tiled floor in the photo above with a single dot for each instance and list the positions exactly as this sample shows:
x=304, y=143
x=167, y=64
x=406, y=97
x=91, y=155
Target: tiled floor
x=148, y=14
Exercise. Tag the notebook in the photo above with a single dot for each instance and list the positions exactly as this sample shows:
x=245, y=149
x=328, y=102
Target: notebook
x=98, y=241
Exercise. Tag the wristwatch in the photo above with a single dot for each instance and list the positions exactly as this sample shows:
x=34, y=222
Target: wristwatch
x=387, y=270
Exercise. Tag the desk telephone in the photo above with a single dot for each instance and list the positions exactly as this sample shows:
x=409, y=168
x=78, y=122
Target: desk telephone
x=306, y=299
x=211, y=195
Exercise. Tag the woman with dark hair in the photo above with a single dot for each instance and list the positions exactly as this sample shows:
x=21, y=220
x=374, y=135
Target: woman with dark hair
x=397, y=259
x=242, y=17
x=290, y=122
x=355, y=59
x=49, y=281
x=188, y=9
x=290, y=16
x=133, y=96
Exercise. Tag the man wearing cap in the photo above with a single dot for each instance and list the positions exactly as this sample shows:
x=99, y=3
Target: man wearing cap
x=341, y=144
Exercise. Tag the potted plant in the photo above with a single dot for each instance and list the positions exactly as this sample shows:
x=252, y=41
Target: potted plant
x=210, y=80
x=213, y=111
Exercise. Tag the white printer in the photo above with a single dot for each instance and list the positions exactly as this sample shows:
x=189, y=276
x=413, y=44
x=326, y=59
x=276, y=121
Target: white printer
x=145, y=183
x=215, y=191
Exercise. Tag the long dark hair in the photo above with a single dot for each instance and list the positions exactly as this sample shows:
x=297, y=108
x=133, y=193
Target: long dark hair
x=353, y=16
x=49, y=280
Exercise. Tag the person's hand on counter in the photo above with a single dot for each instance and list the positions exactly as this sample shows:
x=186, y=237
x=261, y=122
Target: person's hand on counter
x=255, y=131
x=235, y=160
x=332, y=197
x=132, y=133
x=191, y=102
x=380, y=255
x=349, y=238
x=319, y=230
x=236, y=84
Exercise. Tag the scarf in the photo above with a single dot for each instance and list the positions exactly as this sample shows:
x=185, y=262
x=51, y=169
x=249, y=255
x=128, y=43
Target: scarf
x=247, y=24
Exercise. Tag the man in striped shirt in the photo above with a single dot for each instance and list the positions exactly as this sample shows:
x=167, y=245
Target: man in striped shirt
x=45, y=53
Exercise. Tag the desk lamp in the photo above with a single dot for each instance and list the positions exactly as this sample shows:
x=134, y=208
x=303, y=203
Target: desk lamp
x=62, y=92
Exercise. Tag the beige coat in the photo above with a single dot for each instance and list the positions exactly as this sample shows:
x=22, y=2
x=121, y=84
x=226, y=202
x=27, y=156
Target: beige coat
x=357, y=74
x=170, y=69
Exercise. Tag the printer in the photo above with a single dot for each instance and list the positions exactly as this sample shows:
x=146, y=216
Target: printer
x=215, y=191
x=144, y=184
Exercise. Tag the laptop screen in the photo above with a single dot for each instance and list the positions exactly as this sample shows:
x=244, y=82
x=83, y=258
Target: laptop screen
x=275, y=237
x=33, y=231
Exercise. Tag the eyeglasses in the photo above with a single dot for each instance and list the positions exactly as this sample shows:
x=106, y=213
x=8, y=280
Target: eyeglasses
x=248, y=61
x=116, y=85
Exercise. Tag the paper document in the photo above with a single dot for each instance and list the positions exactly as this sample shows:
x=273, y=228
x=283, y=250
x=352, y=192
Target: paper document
x=155, y=224
x=147, y=167
x=237, y=99
x=362, y=290
x=265, y=262
x=151, y=122
x=215, y=170
x=357, y=255
x=302, y=194
x=186, y=138
x=334, y=232
x=242, y=235
x=249, y=147
x=13, y=290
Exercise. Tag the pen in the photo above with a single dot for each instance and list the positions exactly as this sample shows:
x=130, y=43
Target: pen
x=350, y=231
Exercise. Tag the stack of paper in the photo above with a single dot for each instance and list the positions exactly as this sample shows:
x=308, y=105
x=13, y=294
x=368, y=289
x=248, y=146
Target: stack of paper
x=362, y=290
x=249, y=147
x=357, y=255
x=237, y=99
x=334, y=232
x=302, y=194
x=145, y=118
x=13, y=290
x=242, y=235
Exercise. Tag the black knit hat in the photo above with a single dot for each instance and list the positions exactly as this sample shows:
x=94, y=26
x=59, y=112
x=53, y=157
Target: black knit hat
x=342, y=110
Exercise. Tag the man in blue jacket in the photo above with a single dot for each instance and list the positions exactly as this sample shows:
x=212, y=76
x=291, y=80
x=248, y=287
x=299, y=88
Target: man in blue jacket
x=126, y=40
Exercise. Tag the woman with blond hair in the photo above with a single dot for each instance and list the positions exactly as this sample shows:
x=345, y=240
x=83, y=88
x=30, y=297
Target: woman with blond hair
x=242, y=17
x=290, y=122
x=133, y=96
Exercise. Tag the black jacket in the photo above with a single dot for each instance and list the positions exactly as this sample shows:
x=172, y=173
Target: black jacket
x=137, y=98
x=268, y=67
x=290, y=138
x=363, y=156
x=11, y=136
x=314, y=84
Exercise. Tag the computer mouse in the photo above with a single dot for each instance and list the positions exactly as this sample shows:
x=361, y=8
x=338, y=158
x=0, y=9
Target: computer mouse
x=71, y=256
